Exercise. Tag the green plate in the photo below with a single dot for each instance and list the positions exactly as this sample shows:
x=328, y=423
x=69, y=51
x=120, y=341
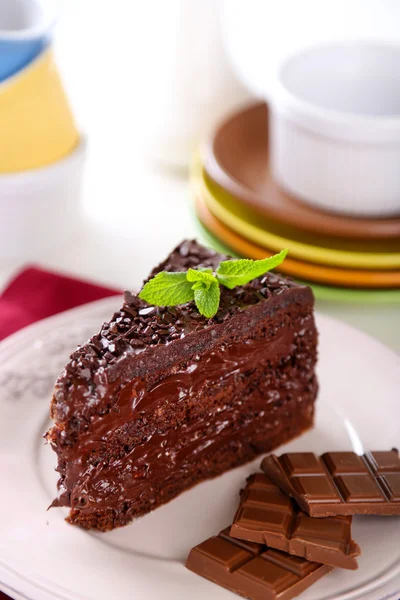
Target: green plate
x=321, y=292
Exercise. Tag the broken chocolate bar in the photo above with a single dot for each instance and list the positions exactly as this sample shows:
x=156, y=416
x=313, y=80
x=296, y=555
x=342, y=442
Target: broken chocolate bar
x=268, y=516
x=339, y=483
x=253, y=570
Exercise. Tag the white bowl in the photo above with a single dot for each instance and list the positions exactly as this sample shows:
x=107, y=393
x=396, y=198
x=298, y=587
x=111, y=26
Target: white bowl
x=335, y=127
x=39, y=209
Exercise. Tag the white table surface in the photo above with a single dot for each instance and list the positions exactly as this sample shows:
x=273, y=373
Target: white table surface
x=135, y=211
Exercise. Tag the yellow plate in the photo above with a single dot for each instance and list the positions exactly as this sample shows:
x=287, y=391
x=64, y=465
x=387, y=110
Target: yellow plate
x=36, y=122
x=356, y=278
x=219, y=203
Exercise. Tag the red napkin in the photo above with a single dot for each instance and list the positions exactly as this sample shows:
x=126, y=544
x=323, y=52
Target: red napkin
x=35, y=294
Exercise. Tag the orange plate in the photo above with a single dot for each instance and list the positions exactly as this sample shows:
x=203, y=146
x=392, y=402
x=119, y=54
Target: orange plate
x=317, y=273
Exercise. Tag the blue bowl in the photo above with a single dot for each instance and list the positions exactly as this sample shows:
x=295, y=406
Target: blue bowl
x=25, y=30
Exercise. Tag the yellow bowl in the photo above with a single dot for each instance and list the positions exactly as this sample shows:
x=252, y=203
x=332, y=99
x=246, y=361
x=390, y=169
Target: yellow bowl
x=36, y=122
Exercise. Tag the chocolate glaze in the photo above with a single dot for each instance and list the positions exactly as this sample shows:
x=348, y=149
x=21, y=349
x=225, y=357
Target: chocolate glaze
x=149, y=360
x=163, y=451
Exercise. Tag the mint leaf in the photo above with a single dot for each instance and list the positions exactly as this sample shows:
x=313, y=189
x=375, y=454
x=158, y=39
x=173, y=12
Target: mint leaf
x=167, y=289
x=206, y=291
x=207, y=298
x=205, y=276
x=232, y=273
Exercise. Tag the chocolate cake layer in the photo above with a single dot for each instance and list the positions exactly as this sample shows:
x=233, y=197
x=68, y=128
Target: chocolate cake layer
x=164, y=398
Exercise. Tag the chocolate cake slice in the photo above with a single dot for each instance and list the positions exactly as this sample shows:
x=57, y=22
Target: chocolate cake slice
x=163, y=398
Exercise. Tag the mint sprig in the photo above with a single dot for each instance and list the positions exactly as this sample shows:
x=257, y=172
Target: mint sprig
x=167, y=289
x=232, y=273
x=203, y=286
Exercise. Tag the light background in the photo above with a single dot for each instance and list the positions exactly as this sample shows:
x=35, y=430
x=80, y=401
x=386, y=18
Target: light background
x=115, y=59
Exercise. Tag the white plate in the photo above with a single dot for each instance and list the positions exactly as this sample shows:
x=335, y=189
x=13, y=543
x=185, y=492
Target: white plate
x=42, y=558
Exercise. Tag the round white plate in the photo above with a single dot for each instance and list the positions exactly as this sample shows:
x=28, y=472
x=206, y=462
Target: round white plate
x=43, y=558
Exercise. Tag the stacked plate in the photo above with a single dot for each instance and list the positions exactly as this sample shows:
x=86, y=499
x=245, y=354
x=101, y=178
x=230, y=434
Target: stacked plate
x=41, y=150
x=242, y=210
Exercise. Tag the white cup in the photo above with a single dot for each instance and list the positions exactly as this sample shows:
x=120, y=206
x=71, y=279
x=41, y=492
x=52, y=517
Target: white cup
x=335, y=127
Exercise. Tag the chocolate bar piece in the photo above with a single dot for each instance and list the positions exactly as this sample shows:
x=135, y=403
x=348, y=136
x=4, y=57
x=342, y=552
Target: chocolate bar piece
x=268, y=516
x=339, y=483
x=253, y=570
